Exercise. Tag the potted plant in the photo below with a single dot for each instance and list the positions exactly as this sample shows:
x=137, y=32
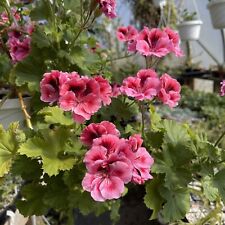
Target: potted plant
x=216, y=9
x=189, y=28
x=85, y=142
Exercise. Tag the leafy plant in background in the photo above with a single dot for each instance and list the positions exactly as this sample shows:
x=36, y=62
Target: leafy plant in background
x=95, y=137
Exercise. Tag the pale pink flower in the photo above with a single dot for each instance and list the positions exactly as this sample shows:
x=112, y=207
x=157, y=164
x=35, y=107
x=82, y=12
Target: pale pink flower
x=105, y=93
x=222, y=89
x=175, y=38
x=5, y=19
x=96, y=130
x=144, y=86
x=153, y=42
x=108, y=8
x=169, y=92
x=19, y=49
x=126, y=34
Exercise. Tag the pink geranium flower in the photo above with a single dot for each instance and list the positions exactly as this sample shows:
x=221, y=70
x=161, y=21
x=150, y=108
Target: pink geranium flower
x=19, y=48
x=169, y=92
x=222, y=89
x=105, y=93
x=96, y=130
x=50, y=85
x=108, y=170
x=108, y=8
x=126, y=34
x=175, y=39
x=153, y=42
x=81, y=96
x=144, y=86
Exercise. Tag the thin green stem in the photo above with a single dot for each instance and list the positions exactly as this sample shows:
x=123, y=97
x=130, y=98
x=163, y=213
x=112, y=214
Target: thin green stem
x=141, y=107
x=119, y=58
x=219, y=139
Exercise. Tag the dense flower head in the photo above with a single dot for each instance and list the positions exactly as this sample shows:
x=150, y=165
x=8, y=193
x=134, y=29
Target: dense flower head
x=151, y=42
x=81, y=95
x=144, y=86
x=169, y=92
x=108, y=7
x=126, y=33
x=112, y=162
x=222, y=88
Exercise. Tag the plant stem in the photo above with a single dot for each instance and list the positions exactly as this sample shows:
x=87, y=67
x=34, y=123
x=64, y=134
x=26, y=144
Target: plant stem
x=23, y=107
x=122, y=57
x=219, y=139
x=141, y=107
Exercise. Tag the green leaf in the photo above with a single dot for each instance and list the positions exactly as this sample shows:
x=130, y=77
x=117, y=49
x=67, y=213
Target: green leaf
x=20, y=165
x=219, y=183
x=55, y=115
x=210, y=191
x=177, y=204
x=153, y=199
x=53, y=196
x=32, y=202
x=8, y=147
x=155, y=139
x=51, y=146
x=41, y=11
x=175, y=132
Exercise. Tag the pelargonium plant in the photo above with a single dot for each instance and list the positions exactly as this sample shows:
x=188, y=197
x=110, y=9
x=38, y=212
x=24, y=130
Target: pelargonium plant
x=90, y=140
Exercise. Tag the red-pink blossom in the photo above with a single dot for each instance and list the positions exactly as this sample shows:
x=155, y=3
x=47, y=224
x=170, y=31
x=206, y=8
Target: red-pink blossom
x=105, y=93
x=169, y=92
x=116, y=90
x=153, y=42
x=96, y=130
x=81, y=96
x=175, y=39
x=50, y=85
x=112, y=162
x=126, y=34
x=19, y=48
x=222, y=88
x=5, y=19
x=108, y=171
x=144, y=86
x=108, y=8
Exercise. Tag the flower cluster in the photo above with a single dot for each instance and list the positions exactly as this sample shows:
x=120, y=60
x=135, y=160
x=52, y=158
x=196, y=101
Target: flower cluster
x=146, y=85
x=151, y=42
x=19, y=36
x=81, y=95
x=112, y=161
x=108, y=8
x=222, y=88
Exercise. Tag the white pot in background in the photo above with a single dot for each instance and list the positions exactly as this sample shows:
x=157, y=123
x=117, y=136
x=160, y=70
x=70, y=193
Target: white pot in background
x=11, y=111
x=217, y=12
x=159, y=3
x=190, y=30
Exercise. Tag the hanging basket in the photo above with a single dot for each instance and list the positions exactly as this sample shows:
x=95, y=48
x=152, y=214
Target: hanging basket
x=217, y=12
x=159, y=3
x=190, y=30
x=11, y=111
